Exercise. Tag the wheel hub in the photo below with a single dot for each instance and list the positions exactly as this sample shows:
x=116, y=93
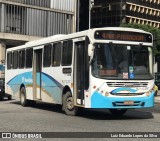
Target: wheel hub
x=70, y=104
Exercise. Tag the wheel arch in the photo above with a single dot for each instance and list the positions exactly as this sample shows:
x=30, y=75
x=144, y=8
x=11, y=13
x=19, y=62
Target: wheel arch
x=68, y=103
x=66, y=89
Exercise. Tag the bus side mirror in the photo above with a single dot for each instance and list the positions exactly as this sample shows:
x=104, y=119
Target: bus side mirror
x=90, y=50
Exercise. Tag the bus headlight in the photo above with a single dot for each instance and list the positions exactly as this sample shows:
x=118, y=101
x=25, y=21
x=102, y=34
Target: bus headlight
x=106, y=93
x=148, y=93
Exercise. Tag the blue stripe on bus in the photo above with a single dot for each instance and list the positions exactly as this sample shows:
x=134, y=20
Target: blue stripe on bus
x=51, y=78
x=26, y=78
x=124, y=89
x=49, y=84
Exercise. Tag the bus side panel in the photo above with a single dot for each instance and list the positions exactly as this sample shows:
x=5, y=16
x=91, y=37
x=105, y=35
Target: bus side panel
x=51, y=89
x=13, y=84
x=51, y=85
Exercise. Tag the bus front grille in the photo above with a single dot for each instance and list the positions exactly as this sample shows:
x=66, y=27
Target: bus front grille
x=127, y=84
x=127, y=94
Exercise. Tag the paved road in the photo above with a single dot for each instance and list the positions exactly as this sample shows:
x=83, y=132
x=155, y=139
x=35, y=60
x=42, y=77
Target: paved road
x=157, y=98
x=49, y=118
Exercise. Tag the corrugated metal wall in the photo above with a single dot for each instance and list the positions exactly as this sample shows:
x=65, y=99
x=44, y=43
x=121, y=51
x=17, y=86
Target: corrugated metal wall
x=36, y=22
x=65, y=5
x=42, y=3
x=46, y=23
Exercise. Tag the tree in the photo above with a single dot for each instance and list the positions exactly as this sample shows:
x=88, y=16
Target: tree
x=154, y=31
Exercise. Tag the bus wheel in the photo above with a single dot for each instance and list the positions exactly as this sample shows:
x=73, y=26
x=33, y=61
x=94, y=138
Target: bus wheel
x=118, y=111
x=1, y=97
x=9, y=97
x=68, y=104
x=155, y=93
x=31, y=103
x=24, y=101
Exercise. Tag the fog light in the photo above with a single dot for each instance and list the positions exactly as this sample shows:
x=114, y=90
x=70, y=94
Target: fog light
x=106, y=93
x=142, y=104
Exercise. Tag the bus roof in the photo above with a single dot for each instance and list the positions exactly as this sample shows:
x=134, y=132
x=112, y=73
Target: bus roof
x=53, y=38
x=46, y=39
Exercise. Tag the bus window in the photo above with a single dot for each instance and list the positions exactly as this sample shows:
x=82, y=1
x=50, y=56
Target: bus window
x=67, y=53
x=47, y=55
x=29, y=56
x=56, y=54
x=21, y=58
x=9, y=60
x=15, y=60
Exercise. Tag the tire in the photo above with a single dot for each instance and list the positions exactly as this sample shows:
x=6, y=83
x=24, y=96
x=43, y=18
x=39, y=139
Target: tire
x=23, y=100
x=68, y=104
x=31, y=103
x=1, y=97
x=155, y=94
x=118, y=111
x=9, y=97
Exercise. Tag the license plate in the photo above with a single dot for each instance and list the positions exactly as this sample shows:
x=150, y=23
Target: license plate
x=128, y=103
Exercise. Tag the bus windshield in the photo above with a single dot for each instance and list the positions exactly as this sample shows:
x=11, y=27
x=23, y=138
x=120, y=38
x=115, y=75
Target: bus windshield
x=117, y=61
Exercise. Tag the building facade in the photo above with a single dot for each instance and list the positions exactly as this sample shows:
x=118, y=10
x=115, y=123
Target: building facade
x=25, y=20
x=116, y=12
x=37, y=17
x=106, y=13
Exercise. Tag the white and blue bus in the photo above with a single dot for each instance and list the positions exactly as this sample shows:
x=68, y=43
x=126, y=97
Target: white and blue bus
x=108, y=68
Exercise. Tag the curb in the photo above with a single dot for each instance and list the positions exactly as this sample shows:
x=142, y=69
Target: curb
x=157, y=98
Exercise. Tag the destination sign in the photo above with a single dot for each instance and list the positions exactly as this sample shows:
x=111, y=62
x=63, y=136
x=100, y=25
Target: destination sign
x=123, y=35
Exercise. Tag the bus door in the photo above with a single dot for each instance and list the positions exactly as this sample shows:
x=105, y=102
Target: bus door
x=37, y=70
x=81, y=76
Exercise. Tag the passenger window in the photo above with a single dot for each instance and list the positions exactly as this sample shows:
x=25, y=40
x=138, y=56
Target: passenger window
x=56, y=54
x=29, y=57
x=9, y=60
x=15, y=60
x=67, y=53
x=47, y=55
x=21, y=58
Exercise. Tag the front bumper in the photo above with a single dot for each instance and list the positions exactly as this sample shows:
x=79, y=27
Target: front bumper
x=100, y=101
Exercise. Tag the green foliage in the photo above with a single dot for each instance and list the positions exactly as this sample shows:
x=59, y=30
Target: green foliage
x=154, y=31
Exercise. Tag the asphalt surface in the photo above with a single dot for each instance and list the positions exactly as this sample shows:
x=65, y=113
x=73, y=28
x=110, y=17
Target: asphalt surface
x=49, y=118
x=157, y=98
